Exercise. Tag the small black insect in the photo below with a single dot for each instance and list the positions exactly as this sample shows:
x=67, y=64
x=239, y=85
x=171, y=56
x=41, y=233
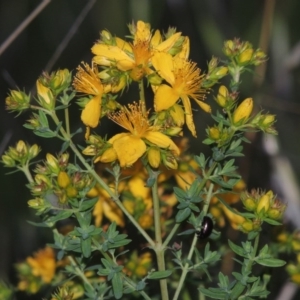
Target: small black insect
x=206, y=228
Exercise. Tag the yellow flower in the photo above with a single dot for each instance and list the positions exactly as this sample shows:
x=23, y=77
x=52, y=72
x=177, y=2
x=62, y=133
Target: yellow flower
x=131, y=146
x=135, y=57
x=108, y=208
x=43, y=264
x=88, y=82
x=184, y=82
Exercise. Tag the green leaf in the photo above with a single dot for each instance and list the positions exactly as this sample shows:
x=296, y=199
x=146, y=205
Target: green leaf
x=86, y=247
x=187, y=232
x=117, y=285
x=237, y=249
x=45, y=133
x=62, y=215
x=270, y=262
x=65, y=146
x=140, y=285
x=87, y=204
x=159, y=274
x=214, y=294
x=182, y=215
x=272, y=222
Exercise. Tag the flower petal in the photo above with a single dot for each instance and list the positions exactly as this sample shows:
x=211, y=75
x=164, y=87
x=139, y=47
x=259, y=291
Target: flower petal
x=113, y=212
x=91, y=113
x=113, y=53
x=168, y=43
x=163, y=64
x=98, y=212
x=189, y=115
x=204, y=106
x=161, y=140
x=129, y=149
x=165, y=97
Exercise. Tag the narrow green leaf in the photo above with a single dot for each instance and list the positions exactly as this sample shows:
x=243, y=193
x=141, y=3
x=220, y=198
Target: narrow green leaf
x=87, y=204
x=237, y=249
x=159, y=274
x=270, y=262
x=86, y=247
x=182, y=215
x=213, y=294
x=117, y=285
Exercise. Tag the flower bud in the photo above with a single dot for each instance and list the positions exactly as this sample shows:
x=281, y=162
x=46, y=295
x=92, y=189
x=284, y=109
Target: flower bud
x=177, y=114
x=71, y=191
x=52, y=163
x=92, y=193
x=220, y=72
x=33, y=151
x=37, y=203
x=247, y=226
x=154, y=157
x=170, y=162
x=46, y=98
x=8, y=161
x=108, y=156
x=245, y=57
x=154, y=79
x=60, y=80
x=63, y=179
x=250, y=204
x=263, y=203
x=268, y=120
x=121, y=84
x=214, y=133
x=222, y=96
x=229, y=48
x=21, y=147
x=17, y=101
x=90, y=150
x=243, y=111
x=173, y=131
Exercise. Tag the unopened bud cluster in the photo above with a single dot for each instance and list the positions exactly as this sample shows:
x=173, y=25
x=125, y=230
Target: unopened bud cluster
x=264, y=206
x=242, y=53
x=20, y=155
x=214, y=73
x=55, y=177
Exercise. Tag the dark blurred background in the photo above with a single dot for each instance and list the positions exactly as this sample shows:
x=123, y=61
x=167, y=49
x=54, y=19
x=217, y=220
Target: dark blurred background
x=61, y=36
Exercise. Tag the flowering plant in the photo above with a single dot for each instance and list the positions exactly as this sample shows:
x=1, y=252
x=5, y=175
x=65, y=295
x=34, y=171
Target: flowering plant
x=134, y=210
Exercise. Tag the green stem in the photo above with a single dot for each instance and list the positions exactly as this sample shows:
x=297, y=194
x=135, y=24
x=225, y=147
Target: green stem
x=67, y=120
x=102, y=183
x=201, y=186
x=239, y=287
x=187, y=266
x=79, y=272
x=26, y=171
x=126, y=278
x=158, y=248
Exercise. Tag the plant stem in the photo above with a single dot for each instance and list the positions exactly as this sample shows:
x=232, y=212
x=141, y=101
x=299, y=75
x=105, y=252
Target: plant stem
x=79, y=272
x=201, y=185
x=67, y=120
x=126, y=278
x=186, y=266
x=26, y=171
x=101, y=181
x=239, y=287
x=158, y=248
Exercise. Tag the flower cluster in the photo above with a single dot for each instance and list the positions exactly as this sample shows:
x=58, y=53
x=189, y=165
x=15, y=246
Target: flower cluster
x=264, y=206
x=163, y=60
